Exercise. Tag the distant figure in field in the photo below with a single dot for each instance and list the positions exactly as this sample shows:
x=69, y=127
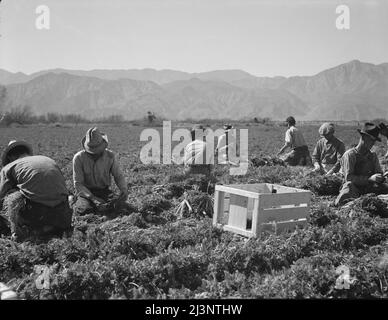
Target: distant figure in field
x=198, y=157
x=93, y=169
x=294, y=140
x=226, y=146
x=151, y=117
x=361, y=168
x=34, y=193
x=328, y=151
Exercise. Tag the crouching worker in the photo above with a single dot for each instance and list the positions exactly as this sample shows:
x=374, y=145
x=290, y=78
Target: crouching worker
x=361, y=168
x=294, y=140
x=93, y=168
x=328, y=151
x=34, y=194
x=198, y=157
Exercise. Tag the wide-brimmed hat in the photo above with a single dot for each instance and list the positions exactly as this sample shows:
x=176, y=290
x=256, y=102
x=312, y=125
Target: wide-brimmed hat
x=11, y=145
x=228, y=126
x=94, y=141
x=326, y=128
x=370, y=130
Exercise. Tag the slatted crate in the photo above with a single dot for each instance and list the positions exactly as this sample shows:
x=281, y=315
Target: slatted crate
x=249, y=209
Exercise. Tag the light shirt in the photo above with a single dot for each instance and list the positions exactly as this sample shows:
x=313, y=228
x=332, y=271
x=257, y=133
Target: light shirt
x=197, y=152
x=295, y=137
x=357, y=167
x=226, y=147
x=328, y=153
x=96, y=174
x=38, y=178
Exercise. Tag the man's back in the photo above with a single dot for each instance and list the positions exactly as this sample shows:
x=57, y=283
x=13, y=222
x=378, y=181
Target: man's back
x=295, y=137
x=38, y=178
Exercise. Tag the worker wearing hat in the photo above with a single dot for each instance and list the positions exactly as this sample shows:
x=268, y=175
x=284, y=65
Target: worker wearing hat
x=93, y=168
x=294, y=140
x=34, y=193
x=361, y=168
x=328, y=151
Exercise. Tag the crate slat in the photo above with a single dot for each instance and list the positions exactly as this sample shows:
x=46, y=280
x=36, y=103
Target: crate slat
x=239, y=192
x=256, y=187
x=218, y=206
x=284, y=214
x=242, y=232
x=284, y=226
x=280, y=199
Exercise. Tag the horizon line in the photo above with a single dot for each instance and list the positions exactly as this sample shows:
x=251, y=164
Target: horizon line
x=175, y=70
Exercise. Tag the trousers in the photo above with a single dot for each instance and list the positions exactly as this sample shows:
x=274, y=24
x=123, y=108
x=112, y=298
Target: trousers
x=299, y=156
x=32, y=219
x=350, y=191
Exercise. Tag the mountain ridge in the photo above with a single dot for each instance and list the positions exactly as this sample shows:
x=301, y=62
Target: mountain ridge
x=353, y=89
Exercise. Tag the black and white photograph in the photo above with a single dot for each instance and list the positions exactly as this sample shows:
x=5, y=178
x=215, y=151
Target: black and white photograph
x=194, y=155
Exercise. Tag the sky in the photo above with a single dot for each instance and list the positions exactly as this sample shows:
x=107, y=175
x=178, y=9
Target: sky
x=262, y=37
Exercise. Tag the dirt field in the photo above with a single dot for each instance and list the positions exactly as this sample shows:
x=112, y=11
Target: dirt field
x=149, y=251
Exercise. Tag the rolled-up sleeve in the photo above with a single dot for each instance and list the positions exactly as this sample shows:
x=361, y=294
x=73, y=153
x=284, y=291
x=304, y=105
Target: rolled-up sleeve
x=118, y=176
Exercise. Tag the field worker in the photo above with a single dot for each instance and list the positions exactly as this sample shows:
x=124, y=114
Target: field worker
x=328, y=151
x=361, y=168
x=92, y=171
x=34, y=193
x=198, y=158
x=294, y=140
x=226, y=146
x=384, y=132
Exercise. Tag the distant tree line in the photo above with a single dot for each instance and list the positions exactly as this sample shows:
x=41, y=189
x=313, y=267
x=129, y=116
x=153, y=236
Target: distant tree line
x=24, y=115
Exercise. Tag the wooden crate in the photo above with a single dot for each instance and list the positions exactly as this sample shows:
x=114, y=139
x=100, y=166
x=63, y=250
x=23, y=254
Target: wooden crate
x=249, y=209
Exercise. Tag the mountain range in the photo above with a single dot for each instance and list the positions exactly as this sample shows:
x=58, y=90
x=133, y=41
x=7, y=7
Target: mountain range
x=350, y=91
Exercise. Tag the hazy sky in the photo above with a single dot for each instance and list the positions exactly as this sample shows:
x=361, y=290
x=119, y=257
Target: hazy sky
x=263, y=37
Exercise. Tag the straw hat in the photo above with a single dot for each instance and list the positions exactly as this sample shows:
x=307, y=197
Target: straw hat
x=94, y=141
x=11, y=145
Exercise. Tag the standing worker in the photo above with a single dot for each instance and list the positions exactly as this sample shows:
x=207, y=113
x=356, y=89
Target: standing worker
x=92, y=171
x=294, y=140
x=34, y=194
x=328, y=151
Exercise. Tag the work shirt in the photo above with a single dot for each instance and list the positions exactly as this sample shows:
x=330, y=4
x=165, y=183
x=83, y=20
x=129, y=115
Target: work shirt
x=329, y=152
x=357, y=167
x=38, y=178
x=96, y=174
x=226, y=147
x=198, y=152
x=295, y=137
